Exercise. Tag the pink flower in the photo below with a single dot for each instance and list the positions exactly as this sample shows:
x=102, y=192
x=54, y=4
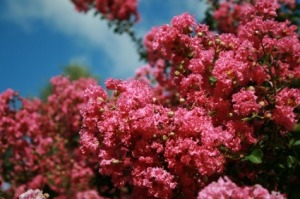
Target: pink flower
x=32, y=194
x=158, y=182
x=191, y=82
x=120, y=10
x=205, y=159
x=228, y=73
x=89, y=141
x=190, y=123
x=245, y=102
x=288, y=97
x=94, y=98
x=89, y=194
x=227, y=15
x=241, y=132
x=116, y=9
x=198, y=65
x=183, y=22
x=286, y=101
x=82, y=5
x=266, y=7
x=225, y=188
x=284, y=116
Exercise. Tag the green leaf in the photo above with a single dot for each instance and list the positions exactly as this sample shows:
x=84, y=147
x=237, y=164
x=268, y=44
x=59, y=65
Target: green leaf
x=291, y=143
x=291, y=161
x=255, y=157
x=297, y=128
x=281, y=166
x=212, y=79
x=296, y=143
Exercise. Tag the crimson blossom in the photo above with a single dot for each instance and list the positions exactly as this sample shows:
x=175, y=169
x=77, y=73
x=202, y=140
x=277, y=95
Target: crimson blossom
x=207, y=105
x=220, y=104
x=33, y=194
x=228, y=14
x=225, y=188
x=110, y=9
x=39, y=144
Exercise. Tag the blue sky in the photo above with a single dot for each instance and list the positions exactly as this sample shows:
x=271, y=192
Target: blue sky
x=38, y=38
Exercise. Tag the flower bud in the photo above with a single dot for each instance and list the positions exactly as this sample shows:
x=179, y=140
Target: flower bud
x=262, y=104
x=171, y=113
x=251, y=88
x=172, y=134
x=115, y=161
x=181, y=100
x=154, y=99
x=268, y=115
x=116, y=93
x=250, y=58
x=100, y=99
x=165, y=138
x=177, y=73
x=200, y=34
x=190, y=54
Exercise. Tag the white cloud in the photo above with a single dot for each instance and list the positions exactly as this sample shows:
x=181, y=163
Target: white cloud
x=89, y=31
x=85, y=29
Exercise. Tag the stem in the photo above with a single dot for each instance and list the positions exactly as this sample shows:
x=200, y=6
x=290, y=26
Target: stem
x=269, y=63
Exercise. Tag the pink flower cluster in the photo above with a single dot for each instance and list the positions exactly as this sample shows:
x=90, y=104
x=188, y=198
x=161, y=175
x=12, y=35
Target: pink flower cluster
x=213, y=97
x=65, y=101
x=233, y=77
x=225, y=188
x=90, y=194
x=230, y=13
x=38, y=142
x=33, y=194
x=205, y=103
x=110, y=9
x=135, y=137
x=284, y=114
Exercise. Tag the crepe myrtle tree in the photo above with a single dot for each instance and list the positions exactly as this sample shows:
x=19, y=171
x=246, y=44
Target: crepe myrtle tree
x=213, y=114
x=208, y=104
